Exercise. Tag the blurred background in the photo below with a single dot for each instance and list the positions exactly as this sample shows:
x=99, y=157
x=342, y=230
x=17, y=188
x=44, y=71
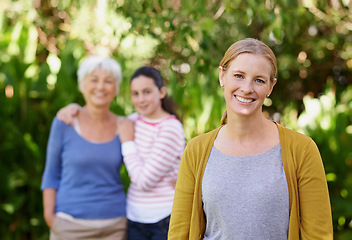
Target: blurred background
x=42, y=43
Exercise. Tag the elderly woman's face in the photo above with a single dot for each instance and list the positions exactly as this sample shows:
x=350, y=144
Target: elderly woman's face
x=99, y=88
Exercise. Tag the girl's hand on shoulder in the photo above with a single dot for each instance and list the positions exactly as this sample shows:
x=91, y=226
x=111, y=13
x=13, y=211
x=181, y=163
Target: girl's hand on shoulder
x=125, y=129
x=66, y=114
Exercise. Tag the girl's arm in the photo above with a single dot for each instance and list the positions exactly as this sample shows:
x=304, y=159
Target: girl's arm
x=165, y=154
x=67, y=113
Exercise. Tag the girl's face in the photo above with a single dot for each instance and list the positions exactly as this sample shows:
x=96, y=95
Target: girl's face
x=99, y=88
x=146, y=97
x=246, y=84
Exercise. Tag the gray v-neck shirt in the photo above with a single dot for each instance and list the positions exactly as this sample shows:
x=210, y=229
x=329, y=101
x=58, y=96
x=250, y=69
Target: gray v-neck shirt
x=245, y=197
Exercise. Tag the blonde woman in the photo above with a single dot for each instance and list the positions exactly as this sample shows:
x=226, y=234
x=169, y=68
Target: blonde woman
x=251, y=178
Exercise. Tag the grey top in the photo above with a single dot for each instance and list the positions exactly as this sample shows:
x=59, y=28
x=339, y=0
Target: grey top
x=245, y=197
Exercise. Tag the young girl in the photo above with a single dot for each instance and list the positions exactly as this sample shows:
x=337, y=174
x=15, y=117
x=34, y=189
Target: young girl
x=251, y=178
x=152, y=152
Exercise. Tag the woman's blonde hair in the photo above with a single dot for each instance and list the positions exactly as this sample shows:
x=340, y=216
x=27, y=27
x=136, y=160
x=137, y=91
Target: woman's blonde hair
x=248, y=45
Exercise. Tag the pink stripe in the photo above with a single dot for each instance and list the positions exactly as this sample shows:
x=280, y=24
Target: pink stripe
x=162, y=148
x=165, y=154
x=169, y=142
x=158, y=155
x=157, y=123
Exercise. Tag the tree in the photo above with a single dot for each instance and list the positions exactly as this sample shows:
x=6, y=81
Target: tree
x=42, y=43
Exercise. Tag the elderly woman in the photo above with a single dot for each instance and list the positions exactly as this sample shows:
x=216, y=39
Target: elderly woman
x=83, y=195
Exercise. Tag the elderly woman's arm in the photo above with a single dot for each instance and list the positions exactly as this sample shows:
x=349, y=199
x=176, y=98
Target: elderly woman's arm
x=49, y=201
x=52, y=172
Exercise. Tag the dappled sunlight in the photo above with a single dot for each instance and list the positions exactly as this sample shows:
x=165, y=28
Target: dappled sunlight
x=31, y=48
x=268, y=102
x=312, y=111
x=134, y=46
x=199, y=123
x=43, y=42
x=9, y=91
x=54, y=63
x=51, y=80
x=349, y=129
x=184, y=68
x=331, y=177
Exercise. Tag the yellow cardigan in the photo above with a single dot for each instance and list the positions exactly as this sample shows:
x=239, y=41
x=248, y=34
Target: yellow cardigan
x=310, y=212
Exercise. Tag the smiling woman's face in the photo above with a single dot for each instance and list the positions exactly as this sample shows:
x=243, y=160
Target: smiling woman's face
x=246, y=83
x=99, y=88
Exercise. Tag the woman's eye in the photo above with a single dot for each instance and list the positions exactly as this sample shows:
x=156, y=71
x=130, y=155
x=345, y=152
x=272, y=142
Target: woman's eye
x=261, y=81
x=109, y=80
x=238, y=76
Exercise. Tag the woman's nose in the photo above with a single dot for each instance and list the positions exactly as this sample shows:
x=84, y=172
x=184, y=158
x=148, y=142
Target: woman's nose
x=247, y=87
x=100, y=85
x=140, y=97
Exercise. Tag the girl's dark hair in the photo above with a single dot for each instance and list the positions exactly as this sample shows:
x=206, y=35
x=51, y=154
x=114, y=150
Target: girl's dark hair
x=166, y=103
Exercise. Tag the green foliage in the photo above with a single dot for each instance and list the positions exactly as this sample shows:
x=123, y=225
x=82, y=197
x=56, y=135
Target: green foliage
x=328, y=120
x=42, y=43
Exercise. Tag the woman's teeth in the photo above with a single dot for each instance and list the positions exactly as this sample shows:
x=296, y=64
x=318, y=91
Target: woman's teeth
x=244, y=100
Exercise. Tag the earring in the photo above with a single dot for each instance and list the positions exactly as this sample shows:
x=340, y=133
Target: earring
x=221, y=85
x=267, y=95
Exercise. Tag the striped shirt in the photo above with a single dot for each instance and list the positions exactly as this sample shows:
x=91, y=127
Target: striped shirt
x=152, y=161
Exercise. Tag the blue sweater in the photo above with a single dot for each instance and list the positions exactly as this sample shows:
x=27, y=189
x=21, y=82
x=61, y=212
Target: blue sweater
x=85, y=174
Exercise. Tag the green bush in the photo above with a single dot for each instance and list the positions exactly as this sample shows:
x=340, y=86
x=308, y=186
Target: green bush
x=328, y=120
x=42, y=43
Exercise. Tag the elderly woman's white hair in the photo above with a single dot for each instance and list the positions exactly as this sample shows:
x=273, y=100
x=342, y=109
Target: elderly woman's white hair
x=92, y=63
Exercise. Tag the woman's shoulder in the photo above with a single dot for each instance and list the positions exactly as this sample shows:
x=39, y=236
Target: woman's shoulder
x=293, y=136
x=204, y=138
x=60, y=128
x=57, y=123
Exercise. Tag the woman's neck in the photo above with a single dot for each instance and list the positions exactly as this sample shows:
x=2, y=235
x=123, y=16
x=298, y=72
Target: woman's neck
x=97, y=124
x=96, y=114
x=246, y=129
x=246, y=136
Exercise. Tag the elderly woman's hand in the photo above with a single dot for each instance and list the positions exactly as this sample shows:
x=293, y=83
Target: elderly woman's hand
x=66, y=114
x=125, y=129
x=49, y=219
